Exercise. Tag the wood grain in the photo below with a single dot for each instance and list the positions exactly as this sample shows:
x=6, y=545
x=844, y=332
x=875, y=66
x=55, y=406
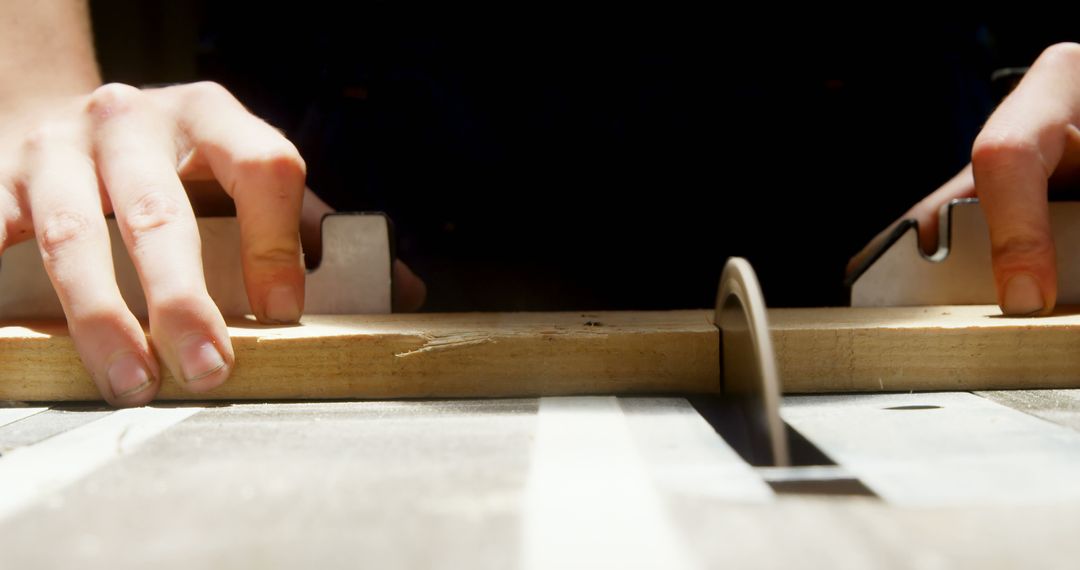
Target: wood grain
x=967, y=347
x=542, y=354
x=412, y=356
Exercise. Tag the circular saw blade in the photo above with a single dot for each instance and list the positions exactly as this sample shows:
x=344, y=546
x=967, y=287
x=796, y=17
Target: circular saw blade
x=748, y=362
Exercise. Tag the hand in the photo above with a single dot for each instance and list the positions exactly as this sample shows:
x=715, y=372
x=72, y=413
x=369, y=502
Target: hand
x=1030, y=143
x=67, y=161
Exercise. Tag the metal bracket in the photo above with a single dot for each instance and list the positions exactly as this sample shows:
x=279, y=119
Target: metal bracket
x=354, y=276
x=960, y=272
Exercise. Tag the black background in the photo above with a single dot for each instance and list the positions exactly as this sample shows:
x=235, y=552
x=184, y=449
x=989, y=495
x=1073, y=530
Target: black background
x=564, y=159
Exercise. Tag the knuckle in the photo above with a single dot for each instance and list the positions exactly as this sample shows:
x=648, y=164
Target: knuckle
x=195, y=98
x=48, y=133
x=179, y=305
x=1067, y=53
x=992, y=149
x=113, y=98
x=60, y=230
x=1022, y=249
x=97, y=316
x=150, y=213
x=279, y=159
x=209, y=89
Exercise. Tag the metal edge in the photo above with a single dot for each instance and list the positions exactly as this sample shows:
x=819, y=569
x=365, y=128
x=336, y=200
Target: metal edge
x=898, y=231
x=901, y=228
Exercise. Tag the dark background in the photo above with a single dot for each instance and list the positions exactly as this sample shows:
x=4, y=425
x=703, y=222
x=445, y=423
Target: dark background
x=570, y=160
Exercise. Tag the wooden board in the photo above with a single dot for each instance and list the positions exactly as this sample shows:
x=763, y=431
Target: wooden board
x=970, y=347
x=538, y=354
x=413, y=356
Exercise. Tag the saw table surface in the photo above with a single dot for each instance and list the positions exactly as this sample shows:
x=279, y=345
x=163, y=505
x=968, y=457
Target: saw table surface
x=591, y=460
x=930, y=480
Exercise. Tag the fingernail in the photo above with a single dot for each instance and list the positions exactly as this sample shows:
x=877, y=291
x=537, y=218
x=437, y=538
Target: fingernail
x=1022, y=296
x=127, y=375
x=282, y=305
x=199, y=358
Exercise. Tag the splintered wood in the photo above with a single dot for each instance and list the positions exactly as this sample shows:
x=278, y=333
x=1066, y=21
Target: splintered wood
x=543, y=354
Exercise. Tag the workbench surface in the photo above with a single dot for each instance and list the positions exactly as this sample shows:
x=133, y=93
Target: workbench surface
x=930, y=480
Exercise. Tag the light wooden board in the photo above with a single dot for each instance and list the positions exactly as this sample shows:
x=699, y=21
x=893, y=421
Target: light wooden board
x=968, y=347
x=537, y=354
x=413, y=356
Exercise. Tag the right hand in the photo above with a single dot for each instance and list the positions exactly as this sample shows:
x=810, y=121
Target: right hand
x=65, y=162
x=1030, y=143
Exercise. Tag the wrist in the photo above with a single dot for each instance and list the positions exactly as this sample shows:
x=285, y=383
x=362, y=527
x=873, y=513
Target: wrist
x=27, y=101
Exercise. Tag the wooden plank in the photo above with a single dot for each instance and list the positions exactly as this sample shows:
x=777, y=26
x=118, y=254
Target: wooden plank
x=413, y=356
x=924, y=348
x=942, y=449
x=548, y=354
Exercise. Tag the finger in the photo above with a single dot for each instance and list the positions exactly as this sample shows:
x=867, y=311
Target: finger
x=1017, y=151
x=311, y=217
x=409, y=290
x=66, y=207
x=17, y=225
x=136, y=158
x=264, y=174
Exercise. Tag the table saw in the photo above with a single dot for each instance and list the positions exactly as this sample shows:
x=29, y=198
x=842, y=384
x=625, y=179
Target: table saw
x=917, y=429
